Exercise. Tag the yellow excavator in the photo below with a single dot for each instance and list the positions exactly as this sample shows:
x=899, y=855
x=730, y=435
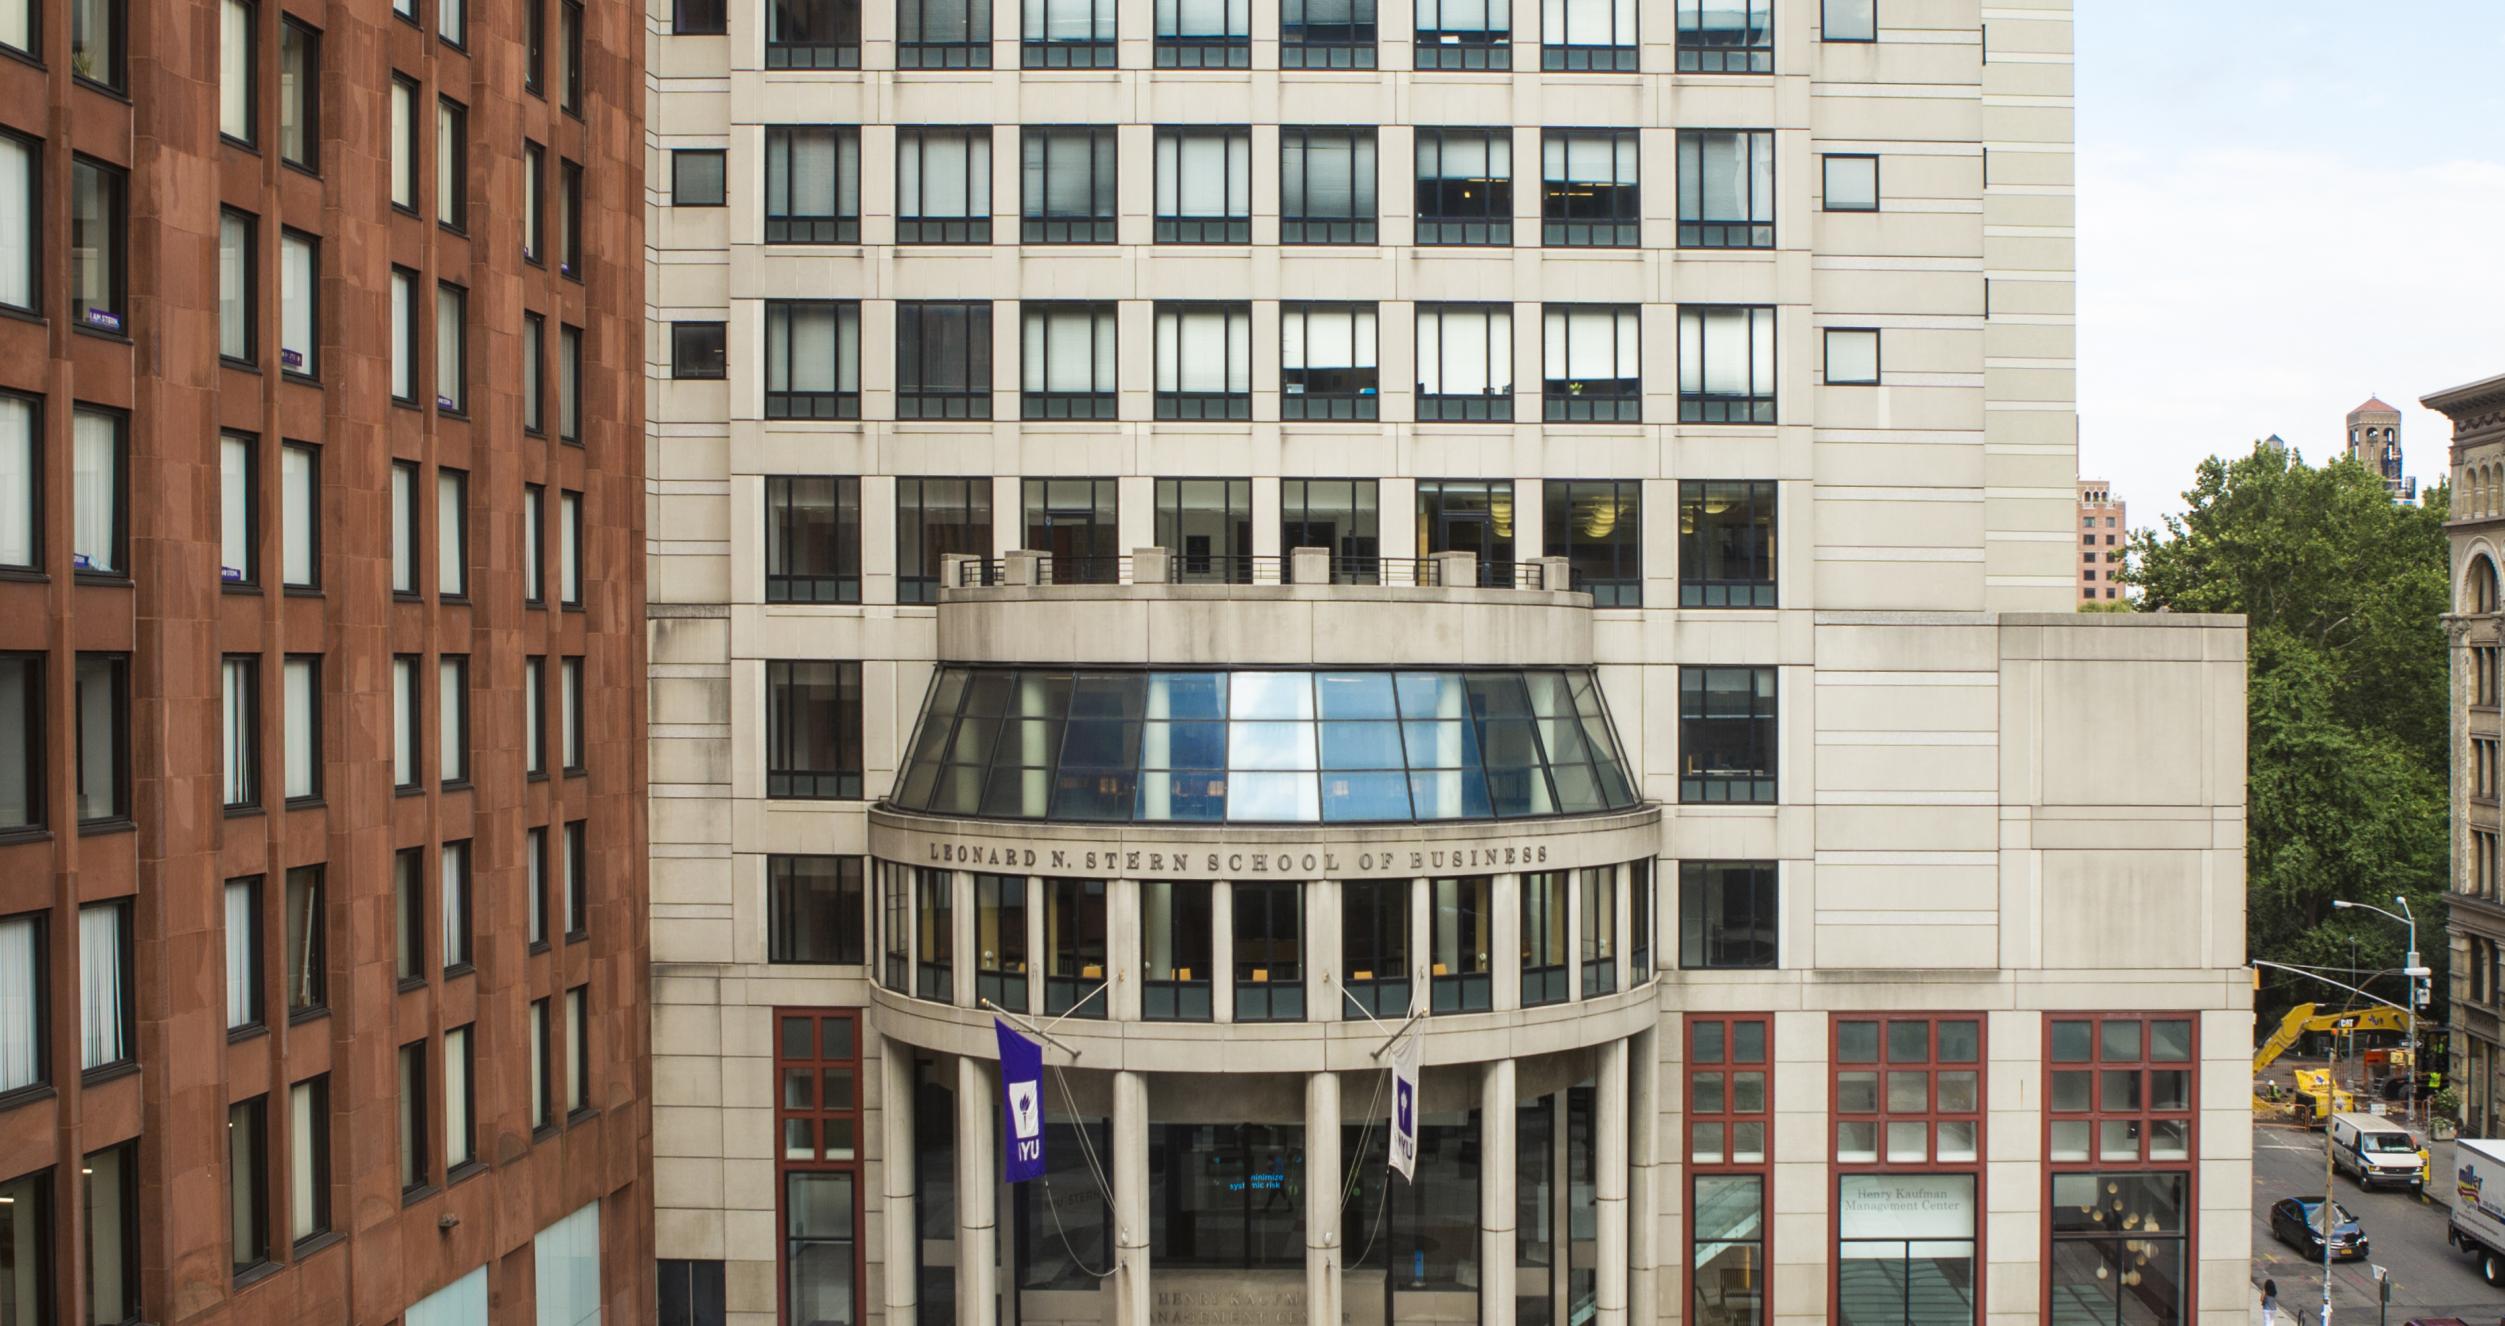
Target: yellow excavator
x=2316, y=1097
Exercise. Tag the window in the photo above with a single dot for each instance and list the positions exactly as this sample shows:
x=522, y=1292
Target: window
x=1461, y=934
x=404, y=336
x=1269, y=952
x=534, y=347
x=299, y=92
x=408, y=897
x=1207, y=525
x=2118, y=1246
x=565, y=1264
x=97, y=232
x=451, y=20
x=404, y=722
x=812, y=184
x=699, y=18
x=2119, y=1091
x=404, y=143
x=460, y=1148
x=1204, y=34
x=1588, y=192
x=934, y=519
x=1726, y=734
x=1851, y=183
x=110, y=1179
x=692, y=1292
x=570, y=550
x=1326, y=186
x=22, y=772
x=1729, y=912
x=1204, y=361
x=1597, y=525
x=1374, y=946
x=1544, y=938
x=243, y=954
x=248, y=1181
x=1326, y=34
x=1067, y=34
x=1849, y=20
x=306, y=981
x=452, y=348
x=577, y=871
x=534, y=202
x=943, y=183
x=1074, y=948
x=1594, y=363
x=1476, y=516
x=813, y=34
x=1726, y=188
x=534, y=720
x=96, y=526
x=570, y=712
x=812, y=539
x=1204, y=186
x=1587, y=34
x=26, y=1255
x=542, y=1073
x=1852, y=357
x=812, y=359
x=21, y=222
x=534, y=45
x=300, y=524
x=452, y=533
x=1328, y=362
x=944, y=34
x=238, y=509
x=416, y=1171
x=1067, y=185
x=238, y=284
x=238, y=71
x=299, y=287
x=999, y=942
x=1729, y=1101
x=1465, y=186
x=1341, y=516
x=103, y=736
x=1465, y=362
x=452, y=719
x=20, y=30
x=817, y=1063
x=242, y=674
x=108, y=1022
x=1726, y=36
x=300, y=678
x=309, y=1167
x=1726, y=365
x=95, y=45
x=1726, y=544
x=699, y=177
x=1175, y=938
x=1464, y=34
x=569, y=384
x=570, y=51
x=535, y=885
x=1066, y=361
x=943, y=360
x=813, y=729
x=577, y=1050
x=1074, y=521
x=814, y=910
x=1908, y=1137
x=570, y=219
x=2484, y=674
x=24, y=986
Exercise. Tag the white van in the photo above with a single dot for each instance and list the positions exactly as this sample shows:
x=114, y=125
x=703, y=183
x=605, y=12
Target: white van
x=2376, y=1152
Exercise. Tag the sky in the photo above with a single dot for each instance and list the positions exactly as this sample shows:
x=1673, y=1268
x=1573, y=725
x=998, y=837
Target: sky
x=2285, y=206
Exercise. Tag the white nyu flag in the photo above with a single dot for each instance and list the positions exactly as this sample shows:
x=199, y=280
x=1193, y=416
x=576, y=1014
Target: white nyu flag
x=1405, y=1106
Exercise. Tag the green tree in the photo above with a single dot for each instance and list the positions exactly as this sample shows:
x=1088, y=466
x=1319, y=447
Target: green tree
x=2343, y=590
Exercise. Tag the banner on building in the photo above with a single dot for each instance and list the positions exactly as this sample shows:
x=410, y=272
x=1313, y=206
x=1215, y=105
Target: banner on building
x=1404, y=1149
x=1022, y=1090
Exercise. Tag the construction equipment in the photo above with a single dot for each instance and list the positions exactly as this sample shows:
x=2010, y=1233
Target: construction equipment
x=2316, y=1097
x=2303, y=1018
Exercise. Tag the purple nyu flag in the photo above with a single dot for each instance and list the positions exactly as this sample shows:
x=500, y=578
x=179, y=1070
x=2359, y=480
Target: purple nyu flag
x=1022, y=1086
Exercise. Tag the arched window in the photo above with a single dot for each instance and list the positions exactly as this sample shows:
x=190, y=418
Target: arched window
x=2479, y=593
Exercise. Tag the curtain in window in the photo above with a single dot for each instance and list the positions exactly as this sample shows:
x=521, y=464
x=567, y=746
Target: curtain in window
x=306, y=1130
x=1727, y=351
x=403, y=349
x=100, y=991
x=297, y=496
x=1204, y=175
x=569, y=546
x=240, y=1010
x=234, y=68
x=812, y=347
x=240, y=732
x=451, y=359
x=302, y=759
x=234, y=494
x=1205, y=350
x=805, y=174
x=234, y=291
x=1587, y=22
x=17, y=224
x=1067, y=172
x=1327, y=175
x=1204, y=18
x=1591, y=345
x=458, y=1148
x=1069, y=20
x=945, y=175
x=455, y=862
x=297, y=288
x=20, y=986
x=17, y=482
x=1465, y=352
x=451, y=538
x=1069, y=350
x=1589, y=158
x=403, y=722
x=95, y=518
x=1463, y=16
x=1323, y=337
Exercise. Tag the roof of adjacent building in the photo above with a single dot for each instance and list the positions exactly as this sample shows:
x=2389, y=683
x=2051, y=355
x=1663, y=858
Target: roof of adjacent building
x=2373, y=405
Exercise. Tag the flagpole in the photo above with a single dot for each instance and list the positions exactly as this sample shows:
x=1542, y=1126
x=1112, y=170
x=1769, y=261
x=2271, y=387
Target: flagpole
x=1415, y=1013
x=1031, y=1029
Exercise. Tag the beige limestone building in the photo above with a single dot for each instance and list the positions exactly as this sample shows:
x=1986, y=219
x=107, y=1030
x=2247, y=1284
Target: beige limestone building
x=2104, y=542
x=2475, y=924
x=1224, y=530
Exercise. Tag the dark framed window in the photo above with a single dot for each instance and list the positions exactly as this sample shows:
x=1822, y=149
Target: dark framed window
x=1852, y=355
x=103, y=712
x=934, y=519
x=452, y=533
x=1204, y=186
x=239, y=510
x=110, y=1182
x=452, y=348
x=570, y=384
x=1326, y=34
x=534, y=203
x=1204, y=34
x=1597, y=525
x=22, y=771
x=299, y=92
x=1326, y=186
x=404, y=143
x=692, y=18
x=1374, y=946
x=535, y=867
x=1465, y=186
x=693, y=1292
x=1640, y=922
x=1175, y=938
x=541, y=1069
x=943, y=34
x=299, y=515
x=1726, y=734
x=699, y=350
x=1067, y=34
x=300, y=728
x=1580, y=35
x=534, y=46
x=1465, y=362
x=1594, y=363
x=812, y=184
x=1476, y=516
x=1726, y=365
x=1726, y=36
x=1341, y=515
x=578, y=1097
x=1849, y=182
x=239, y=72
x=1066, y=184
x=98, y=229
x=944, y=181
x=934, y=935
x=26, y=1263
x=570, y=220
x=1730, y=914
x=1269, y=952
x=1544, y=938
x=452, y=157
x=22, y=217
x=1066, y=360
x=943, y=360
x=1072, y=520
x=1589, y=194
x=309, y=1160
x=452, y=22
x=2119, y=1141
x=1204, y=361
x=570, y=52
x=1726, y=543
x=1207, y=525
x=534, y=373
x=108, y=1011
x=1728, y=1096
x=248, y=1182
x=307, y=945
x=460, y=1100
x=1464, y=34
x=407, y=707
x=1726, y=188
x=25, y=1004
x=570, y=713
x=1074, y=948
x=818, y=1088
x=1461, y=941
x=1909, y=1125
x=406, y=310
x=241, y=720
x=238, y=286
x=813, y=34
x=1000, y=941
x=699, y=176
x=408, y=906
x=1848, y=20
x=299, y=303
x=452, y=898
x=813, y=729
x=575, y=840
x=417, y=1169
x=96, y=44
x=812, y=539
x=1328, y=362
x=812, y=359
x=99, y=493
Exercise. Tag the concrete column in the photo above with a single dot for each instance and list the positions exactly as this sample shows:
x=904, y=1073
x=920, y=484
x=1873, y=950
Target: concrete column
x=1305, y=566
x=1151, y=566
x=978, y=1243
x=1323, y=1000
x=1130, y=1200
x=1456, y=570
x=1644, y=1172
x=1504, y=965
x=896, y=1175
x=1022, y=566
x=1624, y=927
x=1221, y=973
x=1121, y=952
x=1421, y=944
x=963, y=954
x=1496, y=1195
x=1609, y=1185
x=1325, y=1172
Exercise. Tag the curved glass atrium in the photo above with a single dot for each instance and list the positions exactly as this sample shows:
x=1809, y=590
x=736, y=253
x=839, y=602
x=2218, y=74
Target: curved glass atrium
x=1270, y=746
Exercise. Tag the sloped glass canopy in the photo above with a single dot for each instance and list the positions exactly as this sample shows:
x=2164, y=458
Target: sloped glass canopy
x=1299, y=746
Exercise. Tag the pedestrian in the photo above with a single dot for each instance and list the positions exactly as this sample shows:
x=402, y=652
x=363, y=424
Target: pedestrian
x=2269, y=1303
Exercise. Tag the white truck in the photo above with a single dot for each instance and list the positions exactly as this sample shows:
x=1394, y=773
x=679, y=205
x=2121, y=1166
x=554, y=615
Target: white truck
x=2477, y=1191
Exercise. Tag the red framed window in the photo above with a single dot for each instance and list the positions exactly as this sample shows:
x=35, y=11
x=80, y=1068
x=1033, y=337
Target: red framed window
x=2119, y=1142
x=1729, y=1099
x=1908, y=1148
x=817, y=1118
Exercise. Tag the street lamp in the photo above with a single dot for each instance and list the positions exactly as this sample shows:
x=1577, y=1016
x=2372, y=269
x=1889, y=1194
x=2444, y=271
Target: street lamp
x=2415, y=973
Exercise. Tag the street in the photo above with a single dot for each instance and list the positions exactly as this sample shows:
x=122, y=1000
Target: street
x=2429, y=1279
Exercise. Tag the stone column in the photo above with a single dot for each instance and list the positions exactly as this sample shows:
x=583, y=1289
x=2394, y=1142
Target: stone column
x=1644, y=1175
x=1305, y=566
x=896, y=1176
x=1421, y=944
x=1504, y=965
x=1609, y=1186
x=1130, y=1200
x=978, y=1243
x=1221, y=973
x=1496, y=1194
x=1325, y=1175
